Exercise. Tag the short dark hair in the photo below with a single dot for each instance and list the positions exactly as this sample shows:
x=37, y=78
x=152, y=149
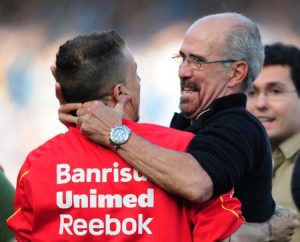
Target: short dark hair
x=89, y=66
x=286, y=55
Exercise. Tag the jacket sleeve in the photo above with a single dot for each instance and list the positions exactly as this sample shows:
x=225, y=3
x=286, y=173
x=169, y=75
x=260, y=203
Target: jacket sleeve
x=20, y=222
x=216, y=219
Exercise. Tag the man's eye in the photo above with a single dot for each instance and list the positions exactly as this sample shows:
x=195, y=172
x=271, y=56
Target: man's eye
x=196, y=60
x=275, y=91
x=251, y=93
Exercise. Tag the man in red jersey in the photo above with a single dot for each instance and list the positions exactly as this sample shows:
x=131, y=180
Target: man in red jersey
x=70, y=189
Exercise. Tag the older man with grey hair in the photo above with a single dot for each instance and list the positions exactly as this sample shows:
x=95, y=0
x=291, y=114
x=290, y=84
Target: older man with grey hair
x=220, y=57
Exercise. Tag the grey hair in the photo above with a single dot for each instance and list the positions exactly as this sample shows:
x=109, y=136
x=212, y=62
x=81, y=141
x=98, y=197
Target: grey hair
x=244, y=43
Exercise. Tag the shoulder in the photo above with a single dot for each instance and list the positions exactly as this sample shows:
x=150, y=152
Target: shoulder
x=238, y=120
x=236, y=129
x=58, y=145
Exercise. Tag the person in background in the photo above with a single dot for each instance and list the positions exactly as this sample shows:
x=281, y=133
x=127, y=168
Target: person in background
x=275, y=101
x=7, y=192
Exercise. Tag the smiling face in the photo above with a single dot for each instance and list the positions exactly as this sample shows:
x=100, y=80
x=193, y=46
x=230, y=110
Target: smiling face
x=275, y=103
x=204, y=41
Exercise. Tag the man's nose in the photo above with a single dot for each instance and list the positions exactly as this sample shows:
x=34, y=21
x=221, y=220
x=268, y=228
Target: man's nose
x=261, y=101
x=185, y=71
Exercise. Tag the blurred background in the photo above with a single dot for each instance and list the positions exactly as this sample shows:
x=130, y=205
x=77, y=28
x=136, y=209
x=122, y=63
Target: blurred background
x=31, y=32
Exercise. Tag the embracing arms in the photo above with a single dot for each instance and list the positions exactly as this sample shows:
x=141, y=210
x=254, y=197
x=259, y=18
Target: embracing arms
x=177, y=172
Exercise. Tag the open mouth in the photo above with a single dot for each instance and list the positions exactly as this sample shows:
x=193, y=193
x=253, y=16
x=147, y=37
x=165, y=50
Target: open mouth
x=187, y=90
x=189, y=93
x=189, y=87
x=266, y=119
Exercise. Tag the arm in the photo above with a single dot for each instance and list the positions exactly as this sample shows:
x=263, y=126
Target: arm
x=280, y=228
x=177, y=172
x=250, y=232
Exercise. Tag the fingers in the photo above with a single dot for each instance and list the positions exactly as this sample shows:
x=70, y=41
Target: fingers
x=67, y=119
x=69, y=108
x=295, y=224
x=285, y=212
x=78, y=122
x=87, y=106
x=292, y=213
x=66, y=113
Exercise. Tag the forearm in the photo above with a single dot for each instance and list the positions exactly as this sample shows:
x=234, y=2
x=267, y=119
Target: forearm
x=177, y=172
x=251, y=232
x=279, y=228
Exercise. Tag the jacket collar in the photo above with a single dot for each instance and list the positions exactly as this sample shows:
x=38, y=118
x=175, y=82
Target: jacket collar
x=218, y=105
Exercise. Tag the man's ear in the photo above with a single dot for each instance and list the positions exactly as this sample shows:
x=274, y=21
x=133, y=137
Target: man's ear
x=59, y=94
x=238, y=73
x=54, y=72
x=120, y=92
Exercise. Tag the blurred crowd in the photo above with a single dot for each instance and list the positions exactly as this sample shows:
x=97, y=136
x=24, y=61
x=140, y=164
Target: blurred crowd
x=31, y=32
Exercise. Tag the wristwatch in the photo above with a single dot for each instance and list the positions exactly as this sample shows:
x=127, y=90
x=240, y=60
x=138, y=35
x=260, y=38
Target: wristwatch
x=119, y=135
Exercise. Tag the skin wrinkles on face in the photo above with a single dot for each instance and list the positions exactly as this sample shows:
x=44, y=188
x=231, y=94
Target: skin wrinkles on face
x=199, y=88
x=279, y=117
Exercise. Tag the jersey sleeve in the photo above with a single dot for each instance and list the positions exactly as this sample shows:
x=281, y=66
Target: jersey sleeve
x=20, y=222
x=217, y=219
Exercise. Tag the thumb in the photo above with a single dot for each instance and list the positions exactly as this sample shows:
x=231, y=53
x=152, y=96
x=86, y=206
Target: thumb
x=58, y=93
x=120, y=105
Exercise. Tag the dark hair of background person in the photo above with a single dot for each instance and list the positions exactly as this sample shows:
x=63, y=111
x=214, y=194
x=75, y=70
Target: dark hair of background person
x=89, y=66
x=286, y=55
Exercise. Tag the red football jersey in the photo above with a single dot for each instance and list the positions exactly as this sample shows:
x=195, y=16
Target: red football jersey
x=71, y=189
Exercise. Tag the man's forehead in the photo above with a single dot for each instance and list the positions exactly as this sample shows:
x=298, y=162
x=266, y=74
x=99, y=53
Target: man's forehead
x=213, y=25
x=267, y=84
x=202, y=41
x=270, y=82
x=272, y=73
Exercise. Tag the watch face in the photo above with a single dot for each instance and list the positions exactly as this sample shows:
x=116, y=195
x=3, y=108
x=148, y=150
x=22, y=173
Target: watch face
x=119, y=135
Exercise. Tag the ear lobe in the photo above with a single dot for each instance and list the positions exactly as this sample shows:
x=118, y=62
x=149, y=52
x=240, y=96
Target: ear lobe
x=238, y=73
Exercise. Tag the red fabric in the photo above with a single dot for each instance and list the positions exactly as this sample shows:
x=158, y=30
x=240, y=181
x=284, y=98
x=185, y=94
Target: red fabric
x=114, y=202
x=217, y=219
